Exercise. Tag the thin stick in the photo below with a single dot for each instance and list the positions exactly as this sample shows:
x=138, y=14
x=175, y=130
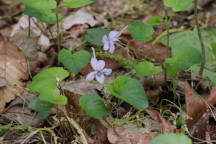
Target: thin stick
x=77, y=127
x=58, y=35
x=200, y=39
x=29, y=26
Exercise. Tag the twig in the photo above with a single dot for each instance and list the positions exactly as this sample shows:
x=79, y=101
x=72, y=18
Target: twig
x=200, y=39
x=77, y=127
x=29, y=26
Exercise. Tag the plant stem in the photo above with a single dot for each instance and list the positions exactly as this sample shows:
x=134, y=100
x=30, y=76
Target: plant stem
x=29, y=26
x=168, y=31
x=58, y=35
x=167, y=47
x=200, y=39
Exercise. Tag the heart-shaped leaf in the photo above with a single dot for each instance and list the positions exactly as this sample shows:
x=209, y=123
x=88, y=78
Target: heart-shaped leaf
x=46, y=83
x=177, y=5
x=171, y=138
x=147, y=69
x=38, y=105
x=95, y=35
x=41, y=9
x=140, y=31
x=74, y=62
x=129, y=90
x=93, y=105
x=76, y=3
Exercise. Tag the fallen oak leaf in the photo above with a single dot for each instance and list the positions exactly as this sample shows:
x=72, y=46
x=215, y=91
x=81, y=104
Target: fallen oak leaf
x=13, y=68
x=195, y=106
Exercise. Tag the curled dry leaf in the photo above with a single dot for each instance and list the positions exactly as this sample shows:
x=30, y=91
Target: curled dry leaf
x=81, y=16
x=166, y=126
x=120, y=135
x=13, y=68
x=195, y=106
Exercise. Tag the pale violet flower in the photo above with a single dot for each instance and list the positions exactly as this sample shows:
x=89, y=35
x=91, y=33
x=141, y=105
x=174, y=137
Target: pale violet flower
x=109, y=41
x=99, y=70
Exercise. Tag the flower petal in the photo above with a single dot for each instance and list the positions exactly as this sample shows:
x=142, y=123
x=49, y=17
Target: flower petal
x=106, y=45
x=107, y=71
x=112, y=47
x=100, y=77
x=91, y=76
x=97, y=65
x=104, y=38
x=113, y=36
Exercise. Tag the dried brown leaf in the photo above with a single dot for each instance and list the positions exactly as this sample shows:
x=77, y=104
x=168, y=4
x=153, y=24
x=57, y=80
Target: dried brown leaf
x=120, y=135
x=166, y=126
x=3, y=82
x=13, y=68
x=195, y=106
x=212, y=97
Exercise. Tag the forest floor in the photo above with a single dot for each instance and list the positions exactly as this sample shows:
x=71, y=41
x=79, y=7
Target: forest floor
x=184, y=104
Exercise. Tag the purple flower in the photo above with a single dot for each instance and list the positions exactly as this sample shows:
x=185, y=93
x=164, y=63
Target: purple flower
x=99, y=70
x=109, y=41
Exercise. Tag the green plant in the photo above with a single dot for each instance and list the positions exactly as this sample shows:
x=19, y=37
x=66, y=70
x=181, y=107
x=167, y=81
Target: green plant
x=129, y=90
x=171, y=138
x=47, y=84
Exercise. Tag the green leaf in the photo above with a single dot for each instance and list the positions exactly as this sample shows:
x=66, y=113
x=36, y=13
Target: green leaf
x=38, y=105
x=4, y=128
x=147, y=69
x=74, y=62
x=171, y=138
x=213, y=45
x=140, y=31
x=190, y=40
x=93, y=105
x=155, y=20
x=129, y=90
x=41, y=9
x=185, y=58
x=46, y=83
x=95, y=35
x=43, y=115
x=170, y=67
x=76, y=3
x=177, y=5
x=206, y=73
